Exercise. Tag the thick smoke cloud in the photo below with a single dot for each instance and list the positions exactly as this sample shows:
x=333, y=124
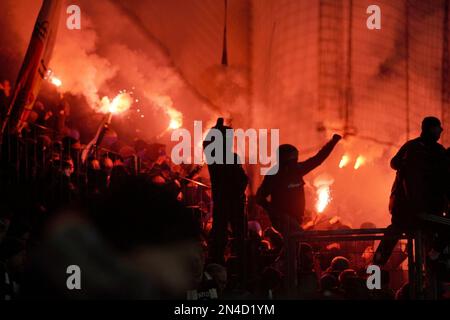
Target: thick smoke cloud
x=168, y=52
x=110, y=53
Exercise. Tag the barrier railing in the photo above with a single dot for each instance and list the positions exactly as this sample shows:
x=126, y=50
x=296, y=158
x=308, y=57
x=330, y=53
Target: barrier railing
x=415, y=253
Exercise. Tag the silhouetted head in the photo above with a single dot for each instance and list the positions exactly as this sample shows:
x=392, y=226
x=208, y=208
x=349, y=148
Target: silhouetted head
x=227, y=139
x=219, y=122
x=368, y=225
x=339, y=264
x=346, y=276
x=431, y=128
x=254, y=230
x=287, y=154
x=220, y=125
x=328, y=282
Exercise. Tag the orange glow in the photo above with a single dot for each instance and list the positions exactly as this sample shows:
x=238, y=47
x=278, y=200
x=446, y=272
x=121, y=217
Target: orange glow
x=50, y=77
x=359, y=162
x=323, y=192
x=344, y=161
x=121, y=103
x=55, y=81
x=176, y=118
x=174, y=124
x=323, y=198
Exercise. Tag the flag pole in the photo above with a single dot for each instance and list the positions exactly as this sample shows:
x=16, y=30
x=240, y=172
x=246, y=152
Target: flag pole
x=34, y=67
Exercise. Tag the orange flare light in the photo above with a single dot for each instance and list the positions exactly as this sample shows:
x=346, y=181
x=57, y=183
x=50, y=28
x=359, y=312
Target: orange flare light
x=176, y=118
x=359, y=162
x=55, y=81
x=121, y=103
x=174, y=124
x=323, y=198
x=344, y=161
x=322, y=184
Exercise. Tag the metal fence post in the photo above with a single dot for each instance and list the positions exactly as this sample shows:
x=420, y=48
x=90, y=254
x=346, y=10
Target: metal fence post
x=411, y=268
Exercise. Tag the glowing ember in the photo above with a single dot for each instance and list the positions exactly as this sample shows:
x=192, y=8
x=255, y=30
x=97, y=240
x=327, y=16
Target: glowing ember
x=55, y=81
x=50, y=77
x=344, y=161
x=323, y=183
x=174, y=124
x=121, y=103
x=176, y=118
x=359, y=162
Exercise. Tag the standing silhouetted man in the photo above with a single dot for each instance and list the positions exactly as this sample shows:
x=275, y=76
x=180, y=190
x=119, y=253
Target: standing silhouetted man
x=419, y=186
x=228, y=183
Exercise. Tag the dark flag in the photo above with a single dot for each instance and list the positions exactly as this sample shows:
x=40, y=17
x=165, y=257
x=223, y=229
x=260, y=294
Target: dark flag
x=34, y=66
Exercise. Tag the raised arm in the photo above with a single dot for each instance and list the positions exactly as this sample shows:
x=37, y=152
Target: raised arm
x=315, y=161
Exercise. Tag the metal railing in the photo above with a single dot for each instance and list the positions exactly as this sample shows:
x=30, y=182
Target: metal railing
x=415, y=254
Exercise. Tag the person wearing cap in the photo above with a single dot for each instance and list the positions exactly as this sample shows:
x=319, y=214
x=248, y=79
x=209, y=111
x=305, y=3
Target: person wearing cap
x=419, y=186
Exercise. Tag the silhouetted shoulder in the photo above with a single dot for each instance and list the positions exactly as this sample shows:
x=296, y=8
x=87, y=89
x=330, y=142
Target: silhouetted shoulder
x=272, y=172
x=398, y=159
x=441, y=147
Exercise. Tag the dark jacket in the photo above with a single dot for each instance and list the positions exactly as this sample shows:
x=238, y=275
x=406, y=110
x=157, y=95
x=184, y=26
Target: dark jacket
x=286, y=187
x=419, y=185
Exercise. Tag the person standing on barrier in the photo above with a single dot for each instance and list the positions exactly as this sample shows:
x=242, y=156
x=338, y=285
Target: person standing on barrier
x=286, y=187
x=419, y=186
x=287, y=204
x=228, y=184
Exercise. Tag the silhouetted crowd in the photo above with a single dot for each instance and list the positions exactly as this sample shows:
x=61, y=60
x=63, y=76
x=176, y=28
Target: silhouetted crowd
x=139, y=227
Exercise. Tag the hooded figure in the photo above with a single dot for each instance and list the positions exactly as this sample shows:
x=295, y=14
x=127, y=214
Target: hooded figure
x=419, y=186
x=286, y=187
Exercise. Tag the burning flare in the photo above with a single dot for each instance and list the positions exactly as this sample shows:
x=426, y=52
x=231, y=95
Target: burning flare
x=121, y=103
x=166, y=104
x=344, y=161
x=359, y=162
x=55, y=81
x=323, y=183
x=323, y=198
x=176, y=118
x=50, y=77
x=174, y=124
